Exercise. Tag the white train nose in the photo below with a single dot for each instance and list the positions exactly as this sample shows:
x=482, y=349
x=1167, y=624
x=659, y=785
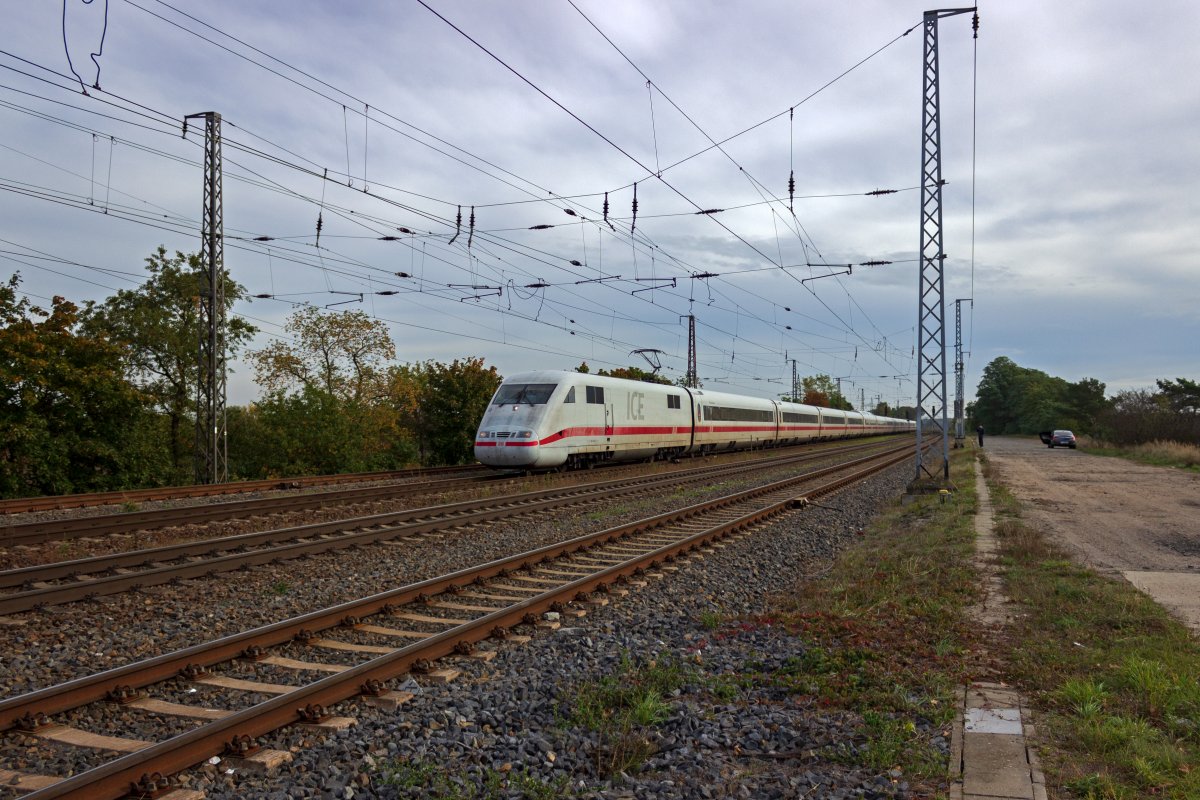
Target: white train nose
x=507, y=448
x=502, y=454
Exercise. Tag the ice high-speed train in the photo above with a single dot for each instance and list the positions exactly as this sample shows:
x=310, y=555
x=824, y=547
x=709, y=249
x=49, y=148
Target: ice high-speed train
x=548, y=419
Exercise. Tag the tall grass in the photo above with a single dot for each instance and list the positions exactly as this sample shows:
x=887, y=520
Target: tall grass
x=1174, y=452
x=1159, y=452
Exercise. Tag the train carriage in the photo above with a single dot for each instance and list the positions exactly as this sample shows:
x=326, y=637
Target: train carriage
x=733, y=422
x=575, y=418
x=549, y=419
x=798, y=423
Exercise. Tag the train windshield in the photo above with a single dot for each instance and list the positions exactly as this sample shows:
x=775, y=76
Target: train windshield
x=530, y=394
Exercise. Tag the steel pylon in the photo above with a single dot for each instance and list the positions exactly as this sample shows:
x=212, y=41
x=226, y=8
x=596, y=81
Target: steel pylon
x=931, y=305
x=211, y=454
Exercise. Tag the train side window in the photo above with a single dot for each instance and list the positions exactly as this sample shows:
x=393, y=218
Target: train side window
x=673, y=401
x=595, y=394
x=570, y=398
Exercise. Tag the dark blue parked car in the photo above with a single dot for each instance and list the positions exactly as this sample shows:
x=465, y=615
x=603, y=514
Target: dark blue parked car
x=1062, y=439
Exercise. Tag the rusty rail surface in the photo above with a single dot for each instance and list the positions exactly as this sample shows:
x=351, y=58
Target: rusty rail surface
x=42, y=531
x=113, y=779
x=50, y=502
x=207, y=557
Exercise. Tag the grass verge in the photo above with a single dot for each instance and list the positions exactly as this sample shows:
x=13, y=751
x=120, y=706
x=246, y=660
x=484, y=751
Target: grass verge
x=1158, y=454
x=447, y=785
x=1117, y=679
x=887, y=632
x=623, y=706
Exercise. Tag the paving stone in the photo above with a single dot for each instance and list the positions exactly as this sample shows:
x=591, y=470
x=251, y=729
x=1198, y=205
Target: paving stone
x=996, y=765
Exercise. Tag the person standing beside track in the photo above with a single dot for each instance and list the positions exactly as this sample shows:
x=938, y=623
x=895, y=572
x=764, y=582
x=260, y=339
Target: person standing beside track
x=979, y=431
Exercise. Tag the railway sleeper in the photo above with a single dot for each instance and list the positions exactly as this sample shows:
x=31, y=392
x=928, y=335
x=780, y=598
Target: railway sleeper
x=247, y=750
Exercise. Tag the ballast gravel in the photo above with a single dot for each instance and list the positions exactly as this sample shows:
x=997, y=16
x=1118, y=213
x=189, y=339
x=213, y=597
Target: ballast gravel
x=62, y=642
x=509, y=719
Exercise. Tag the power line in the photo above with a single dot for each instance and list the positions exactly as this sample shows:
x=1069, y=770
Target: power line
x=636, y=241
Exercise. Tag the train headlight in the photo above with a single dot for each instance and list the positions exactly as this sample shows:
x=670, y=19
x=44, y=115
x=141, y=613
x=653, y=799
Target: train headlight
x=524, y=434
x=486, y=435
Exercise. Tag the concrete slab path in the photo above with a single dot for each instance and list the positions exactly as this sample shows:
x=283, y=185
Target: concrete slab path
x=991, y=754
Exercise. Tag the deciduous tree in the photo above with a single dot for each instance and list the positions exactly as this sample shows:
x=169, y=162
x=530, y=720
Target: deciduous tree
x=69, y=420
x=440, y=405
x=1015, y=399
x=158, y=325
x=820, y=390
x=635, y=374
x=341, y=354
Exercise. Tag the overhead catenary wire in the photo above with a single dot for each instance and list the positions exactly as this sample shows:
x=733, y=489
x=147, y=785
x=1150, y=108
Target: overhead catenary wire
x=718, y=145
x=703, y=211
x=634, y=241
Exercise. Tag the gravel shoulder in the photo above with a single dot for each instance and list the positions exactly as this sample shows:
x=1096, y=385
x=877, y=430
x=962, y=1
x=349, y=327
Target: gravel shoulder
x=1113, y=515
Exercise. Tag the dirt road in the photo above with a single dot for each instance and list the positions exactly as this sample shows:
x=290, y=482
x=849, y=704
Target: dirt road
x=1116, y=516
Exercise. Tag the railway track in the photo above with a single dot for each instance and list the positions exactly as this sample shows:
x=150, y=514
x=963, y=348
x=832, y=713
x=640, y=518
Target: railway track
x=358, y=646
x=33, y=533
x=51, y=502
x=68, y=581
x=37, y=532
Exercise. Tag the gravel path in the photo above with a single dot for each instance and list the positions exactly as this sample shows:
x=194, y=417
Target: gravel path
x=1113, y=515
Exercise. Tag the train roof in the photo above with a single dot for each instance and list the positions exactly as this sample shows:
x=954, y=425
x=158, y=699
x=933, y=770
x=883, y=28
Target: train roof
x=557, y=376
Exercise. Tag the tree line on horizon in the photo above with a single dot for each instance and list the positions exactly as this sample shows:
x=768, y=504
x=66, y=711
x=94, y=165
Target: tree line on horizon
x=102, y=396
x=1014, y=399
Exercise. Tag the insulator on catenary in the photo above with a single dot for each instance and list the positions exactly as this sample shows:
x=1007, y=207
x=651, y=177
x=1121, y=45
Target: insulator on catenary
x=874, y=263
x=569, y=211
x=541, y=227
x=633, y=222
x=471, y=234
x=791, y=189
x=320, y=224
x=576, y=262
x=881, y=191
x=606, y=211
x=457, y=226
x=710, y=211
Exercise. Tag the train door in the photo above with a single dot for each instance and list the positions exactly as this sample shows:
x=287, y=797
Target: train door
x=597, y=416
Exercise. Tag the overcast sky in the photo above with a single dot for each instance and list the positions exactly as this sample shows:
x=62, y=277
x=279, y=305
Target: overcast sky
x=381, y=116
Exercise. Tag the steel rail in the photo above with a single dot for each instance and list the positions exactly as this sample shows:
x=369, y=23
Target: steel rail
x=95, y=687
x=51, y=502
x=113, y=780
x=42, y=531
x=288, y=543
